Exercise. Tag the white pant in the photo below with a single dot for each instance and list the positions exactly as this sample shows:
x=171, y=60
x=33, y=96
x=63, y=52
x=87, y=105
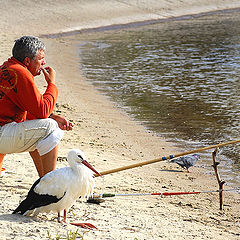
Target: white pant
x=40, y=134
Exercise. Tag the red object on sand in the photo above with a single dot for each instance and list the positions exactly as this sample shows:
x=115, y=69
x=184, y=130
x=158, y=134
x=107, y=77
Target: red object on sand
x=2, y=171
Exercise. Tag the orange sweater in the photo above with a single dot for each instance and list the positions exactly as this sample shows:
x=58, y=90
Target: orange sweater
x=19, y=97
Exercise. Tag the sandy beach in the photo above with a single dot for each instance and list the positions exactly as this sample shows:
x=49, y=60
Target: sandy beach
x=109, y=138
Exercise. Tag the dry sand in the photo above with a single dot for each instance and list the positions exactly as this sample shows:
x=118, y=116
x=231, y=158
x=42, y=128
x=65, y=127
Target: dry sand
x=109, y=137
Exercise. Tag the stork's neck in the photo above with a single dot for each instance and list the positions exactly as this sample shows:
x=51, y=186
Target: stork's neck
x=81, y=170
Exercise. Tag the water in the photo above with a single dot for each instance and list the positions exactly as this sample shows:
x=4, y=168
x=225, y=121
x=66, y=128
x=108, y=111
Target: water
x=181, y=79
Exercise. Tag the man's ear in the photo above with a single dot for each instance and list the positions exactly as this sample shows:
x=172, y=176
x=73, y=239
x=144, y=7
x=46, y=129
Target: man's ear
x=26, y=61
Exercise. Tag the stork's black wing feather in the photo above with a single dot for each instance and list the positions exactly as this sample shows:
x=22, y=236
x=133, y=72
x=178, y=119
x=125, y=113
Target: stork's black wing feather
x=35, y=200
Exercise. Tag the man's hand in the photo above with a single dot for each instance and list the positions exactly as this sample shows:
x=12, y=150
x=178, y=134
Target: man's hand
x=62, y=122
x=49, y=74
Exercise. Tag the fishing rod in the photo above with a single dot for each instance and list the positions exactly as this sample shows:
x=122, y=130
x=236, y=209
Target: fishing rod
x=165, y=158
x=163, y=194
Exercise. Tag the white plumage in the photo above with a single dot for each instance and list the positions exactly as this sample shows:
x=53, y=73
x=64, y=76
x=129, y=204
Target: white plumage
x=59, y=189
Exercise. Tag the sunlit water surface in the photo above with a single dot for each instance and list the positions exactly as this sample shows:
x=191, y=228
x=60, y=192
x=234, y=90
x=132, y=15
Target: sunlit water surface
x=181, y=79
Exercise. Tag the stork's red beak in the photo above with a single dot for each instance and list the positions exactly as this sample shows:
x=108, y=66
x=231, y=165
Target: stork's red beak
x=87, y=164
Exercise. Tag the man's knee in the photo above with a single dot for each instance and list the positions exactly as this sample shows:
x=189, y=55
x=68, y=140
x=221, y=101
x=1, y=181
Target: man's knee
x=49, y=124
x=51, y=141
x=25, y=136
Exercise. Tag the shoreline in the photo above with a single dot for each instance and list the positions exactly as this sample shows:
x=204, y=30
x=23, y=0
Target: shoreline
x=136, y=24
x=109, y=139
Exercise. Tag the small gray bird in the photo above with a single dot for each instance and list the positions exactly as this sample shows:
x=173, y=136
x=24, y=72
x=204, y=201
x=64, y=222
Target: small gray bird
x=186, y=161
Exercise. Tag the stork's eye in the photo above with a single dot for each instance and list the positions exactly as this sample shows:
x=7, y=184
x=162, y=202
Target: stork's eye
x=80, y=157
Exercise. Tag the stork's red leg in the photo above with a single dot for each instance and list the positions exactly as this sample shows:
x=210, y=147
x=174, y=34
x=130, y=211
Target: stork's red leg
x=65, y=216
x=59, y=217
x=82, y=225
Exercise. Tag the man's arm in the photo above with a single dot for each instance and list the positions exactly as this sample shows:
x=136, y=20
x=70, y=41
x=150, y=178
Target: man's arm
x=30, y=99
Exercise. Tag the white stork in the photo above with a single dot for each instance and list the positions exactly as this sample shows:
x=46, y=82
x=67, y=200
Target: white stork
x=58, y=190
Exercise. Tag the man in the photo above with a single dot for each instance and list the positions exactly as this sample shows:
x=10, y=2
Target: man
x=26, y=120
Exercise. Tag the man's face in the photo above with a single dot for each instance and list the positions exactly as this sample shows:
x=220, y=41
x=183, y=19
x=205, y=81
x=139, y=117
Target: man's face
x=36, y=65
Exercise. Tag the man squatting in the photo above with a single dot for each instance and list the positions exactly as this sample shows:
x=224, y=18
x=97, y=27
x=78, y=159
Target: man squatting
x=27, y=123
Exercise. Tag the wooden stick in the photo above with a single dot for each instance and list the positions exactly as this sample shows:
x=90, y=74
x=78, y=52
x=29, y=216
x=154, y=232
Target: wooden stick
x=165, y=158
x=220, y=182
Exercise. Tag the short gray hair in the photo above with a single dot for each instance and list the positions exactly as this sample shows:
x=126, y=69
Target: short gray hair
x=27, y=46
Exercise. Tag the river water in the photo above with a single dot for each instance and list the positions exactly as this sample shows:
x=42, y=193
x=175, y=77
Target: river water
x=179, y=78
